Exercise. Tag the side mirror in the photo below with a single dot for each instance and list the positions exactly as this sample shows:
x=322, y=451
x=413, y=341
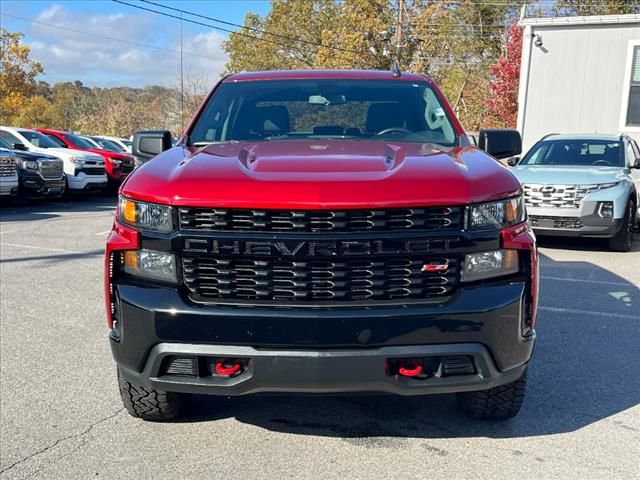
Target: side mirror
x=500, y=143
x=20, y=146
x=149, y=143
x=513, y=161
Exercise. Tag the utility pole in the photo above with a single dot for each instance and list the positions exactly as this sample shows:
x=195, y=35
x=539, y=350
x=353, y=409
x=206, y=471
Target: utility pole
x=399, y=31
x=181, y=80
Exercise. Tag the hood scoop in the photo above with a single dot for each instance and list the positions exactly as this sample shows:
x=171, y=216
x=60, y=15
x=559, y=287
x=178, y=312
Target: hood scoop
x=318, y=157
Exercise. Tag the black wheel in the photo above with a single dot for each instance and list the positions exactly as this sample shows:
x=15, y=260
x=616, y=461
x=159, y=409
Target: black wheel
x=498, y=403
x=149, y=404
x=621, y=242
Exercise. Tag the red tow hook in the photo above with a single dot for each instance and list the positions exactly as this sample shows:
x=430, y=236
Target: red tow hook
x=410, y=372
x=222, y=369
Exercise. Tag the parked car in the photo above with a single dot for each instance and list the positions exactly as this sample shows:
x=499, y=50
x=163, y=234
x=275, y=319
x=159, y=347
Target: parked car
x=8, y=174
x=105, y=144
x=117, y=165
x=583, y=185
x=39, y=175
x=124, y=143
x=322, y=232
x=84, y=171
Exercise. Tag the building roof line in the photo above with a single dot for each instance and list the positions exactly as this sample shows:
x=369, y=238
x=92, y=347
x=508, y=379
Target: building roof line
x=578, y=21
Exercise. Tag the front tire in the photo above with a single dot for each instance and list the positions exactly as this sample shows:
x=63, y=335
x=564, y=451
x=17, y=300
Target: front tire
x=621, y=242
x=497, y=403
x=149, y=404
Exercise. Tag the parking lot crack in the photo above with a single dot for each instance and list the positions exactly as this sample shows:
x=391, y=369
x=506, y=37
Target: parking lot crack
x=53, y=445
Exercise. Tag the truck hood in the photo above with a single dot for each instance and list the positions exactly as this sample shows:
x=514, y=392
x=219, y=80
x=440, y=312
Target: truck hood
x=285, y=174
x=68, y=153
x=567, y=175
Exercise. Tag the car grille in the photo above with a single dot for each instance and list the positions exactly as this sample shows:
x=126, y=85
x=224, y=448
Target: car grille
x=555, y=222
x=7, y=166
x=402, y=219
x=552, y=196
x=126, y=167
x=51, y=169
x=337, y=280
x=93, y=170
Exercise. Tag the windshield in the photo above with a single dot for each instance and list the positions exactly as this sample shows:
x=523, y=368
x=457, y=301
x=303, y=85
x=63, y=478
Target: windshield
x=385, y=110
x=603, y=153
x=77, y=141
x=107, y=145
x=126, y=142
x=38, y=139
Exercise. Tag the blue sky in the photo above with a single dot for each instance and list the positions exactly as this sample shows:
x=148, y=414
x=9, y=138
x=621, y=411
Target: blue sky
x=67, y=53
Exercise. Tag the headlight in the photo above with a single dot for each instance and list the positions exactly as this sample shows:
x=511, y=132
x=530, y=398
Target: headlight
x=150, y=264
x=114, y=162
x=77, y=160
x=145, y=215
x=30, y=164
x=501, y=214
x=479, y=266
x=597, y=186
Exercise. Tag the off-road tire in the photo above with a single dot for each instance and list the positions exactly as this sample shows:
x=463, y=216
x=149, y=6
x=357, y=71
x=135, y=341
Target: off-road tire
x=497, y=403
x=622, y=240
x=149, y=404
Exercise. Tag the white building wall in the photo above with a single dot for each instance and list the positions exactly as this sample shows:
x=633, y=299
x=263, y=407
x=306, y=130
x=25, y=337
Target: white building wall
x=576, y=81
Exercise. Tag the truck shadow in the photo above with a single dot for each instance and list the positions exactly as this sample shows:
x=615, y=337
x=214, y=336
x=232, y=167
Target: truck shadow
x=584, y=370
x=29, y=210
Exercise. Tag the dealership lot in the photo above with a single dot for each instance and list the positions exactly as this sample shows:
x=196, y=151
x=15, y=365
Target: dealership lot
x=61, y=415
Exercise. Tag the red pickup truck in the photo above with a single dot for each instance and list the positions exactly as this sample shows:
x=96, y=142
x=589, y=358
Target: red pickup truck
x=322, y=232
x=117, y=165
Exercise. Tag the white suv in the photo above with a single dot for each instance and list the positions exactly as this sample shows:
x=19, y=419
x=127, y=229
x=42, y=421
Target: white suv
x=84, y=170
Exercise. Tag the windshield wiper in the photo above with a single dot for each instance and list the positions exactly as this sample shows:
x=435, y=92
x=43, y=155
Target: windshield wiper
x=220, y=142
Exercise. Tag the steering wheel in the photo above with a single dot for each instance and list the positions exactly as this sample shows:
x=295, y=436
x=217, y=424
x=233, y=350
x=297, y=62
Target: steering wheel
x=602, y=162
x=394, y=129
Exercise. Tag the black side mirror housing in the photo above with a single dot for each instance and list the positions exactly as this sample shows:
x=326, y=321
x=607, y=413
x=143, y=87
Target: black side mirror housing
x=500, y=143
x=149, y=143
x=513, y=161
x=20, y=146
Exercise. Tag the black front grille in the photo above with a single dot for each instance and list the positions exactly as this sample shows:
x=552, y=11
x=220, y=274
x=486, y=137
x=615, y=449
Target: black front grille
x=555, y=222
x=397, y=219
x=126, y=167
x=310, y=280
x=93, y=170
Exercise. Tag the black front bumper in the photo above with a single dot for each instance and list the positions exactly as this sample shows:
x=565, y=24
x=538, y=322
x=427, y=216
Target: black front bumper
x=324, y=350
x=33, y=185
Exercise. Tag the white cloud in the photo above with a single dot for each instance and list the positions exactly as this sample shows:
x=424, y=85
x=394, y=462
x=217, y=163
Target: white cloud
x=67, y=55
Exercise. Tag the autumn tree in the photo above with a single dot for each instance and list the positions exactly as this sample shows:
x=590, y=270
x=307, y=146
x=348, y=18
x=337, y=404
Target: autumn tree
x=18, y=73
x=503, y=101
x=595, y=7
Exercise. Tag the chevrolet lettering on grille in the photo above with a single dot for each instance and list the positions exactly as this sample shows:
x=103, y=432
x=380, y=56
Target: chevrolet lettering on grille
x=320, y=248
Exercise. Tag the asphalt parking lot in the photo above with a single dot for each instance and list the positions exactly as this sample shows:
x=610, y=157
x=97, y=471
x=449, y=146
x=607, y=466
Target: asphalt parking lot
x=61, y=415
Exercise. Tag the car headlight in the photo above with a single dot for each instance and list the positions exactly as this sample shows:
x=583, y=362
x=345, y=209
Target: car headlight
x=77, y=160
x=150, y=264
x=497, y=263
x=496, y=215
x=30, y=164
x=142, y=215
x=114, y=162
x=596, y=186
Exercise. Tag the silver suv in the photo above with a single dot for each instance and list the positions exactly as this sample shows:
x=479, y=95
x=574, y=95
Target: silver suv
x=583, y=185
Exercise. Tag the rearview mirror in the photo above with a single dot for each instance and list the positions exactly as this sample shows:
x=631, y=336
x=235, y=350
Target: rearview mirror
x=149, y=143
x=513, y=161
x=20, y=146
x=500, y=143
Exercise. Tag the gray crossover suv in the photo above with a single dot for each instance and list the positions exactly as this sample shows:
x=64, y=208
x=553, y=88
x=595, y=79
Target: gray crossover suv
x=582, y=185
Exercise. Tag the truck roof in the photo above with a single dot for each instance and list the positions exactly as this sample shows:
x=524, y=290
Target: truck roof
x=325, y=74
x=612, y=137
